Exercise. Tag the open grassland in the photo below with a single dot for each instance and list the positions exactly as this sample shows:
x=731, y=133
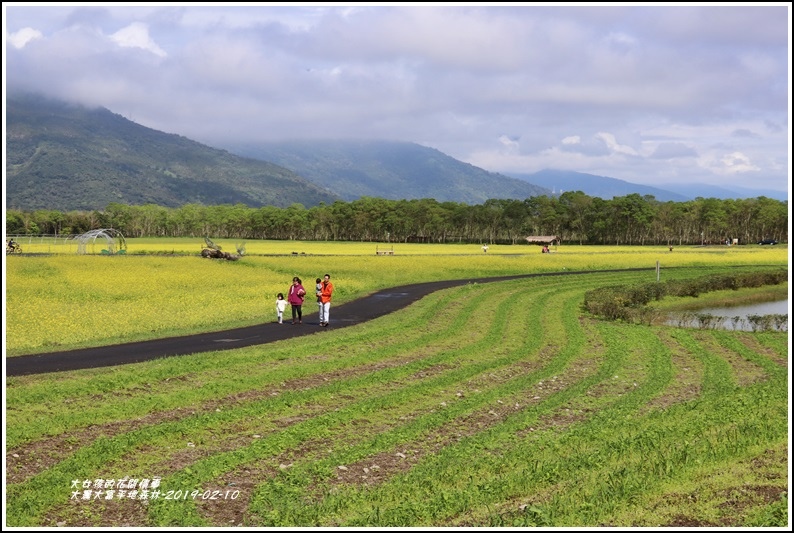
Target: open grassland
x=163, y=287
x=495, y=404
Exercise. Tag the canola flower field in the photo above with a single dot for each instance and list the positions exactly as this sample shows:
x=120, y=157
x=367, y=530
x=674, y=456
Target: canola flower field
x=62, y=300
x=491, y=405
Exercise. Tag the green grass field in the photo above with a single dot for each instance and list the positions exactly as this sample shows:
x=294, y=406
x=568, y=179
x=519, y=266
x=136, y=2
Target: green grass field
x=498, y=405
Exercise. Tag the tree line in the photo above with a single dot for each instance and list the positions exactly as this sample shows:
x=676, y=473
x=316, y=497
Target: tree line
x=573, y=216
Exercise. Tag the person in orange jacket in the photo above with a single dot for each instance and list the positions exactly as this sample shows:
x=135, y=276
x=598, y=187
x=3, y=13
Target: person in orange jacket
x=325, y=300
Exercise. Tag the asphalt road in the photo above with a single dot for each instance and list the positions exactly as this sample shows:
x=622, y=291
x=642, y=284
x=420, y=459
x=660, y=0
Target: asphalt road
x=343, y=315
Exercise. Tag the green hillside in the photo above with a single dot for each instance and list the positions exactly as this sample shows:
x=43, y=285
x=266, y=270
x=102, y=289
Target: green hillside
x=391, y=170
x=67, y=157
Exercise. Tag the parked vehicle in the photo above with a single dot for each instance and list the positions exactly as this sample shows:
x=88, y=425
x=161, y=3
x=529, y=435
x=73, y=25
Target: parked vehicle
x=768, y=241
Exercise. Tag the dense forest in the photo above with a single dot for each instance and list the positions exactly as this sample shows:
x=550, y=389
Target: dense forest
x=573, y=216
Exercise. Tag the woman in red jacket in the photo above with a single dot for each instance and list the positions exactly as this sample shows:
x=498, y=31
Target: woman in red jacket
x=295, y=298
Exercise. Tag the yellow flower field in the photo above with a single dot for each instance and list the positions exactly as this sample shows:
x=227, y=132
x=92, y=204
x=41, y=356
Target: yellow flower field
x=184, y=245
x=56, y=299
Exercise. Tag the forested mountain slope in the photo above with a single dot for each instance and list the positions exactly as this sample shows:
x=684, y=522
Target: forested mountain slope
x=63, y=156
x=390, y=169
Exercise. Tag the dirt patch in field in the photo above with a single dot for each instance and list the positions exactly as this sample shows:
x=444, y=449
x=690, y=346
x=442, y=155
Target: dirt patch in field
x=98, y=512
x=235, y=511
x=733, y=510
x=733, y=504
x=686, y=383
x=228, y=440
x=34, y=457
x=576, y=371
x=381, y=467
x=738, y=499
x=572, y=412
x=25, y=461
x=771, y=463
x=249, y=477
x=685, y=521
x=759, y=348
x=618, y=384
x=745, y=372
x=234, y=491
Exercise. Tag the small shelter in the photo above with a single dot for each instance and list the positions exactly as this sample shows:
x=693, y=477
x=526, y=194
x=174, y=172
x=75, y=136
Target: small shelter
x=114, y=241
x=547, y=240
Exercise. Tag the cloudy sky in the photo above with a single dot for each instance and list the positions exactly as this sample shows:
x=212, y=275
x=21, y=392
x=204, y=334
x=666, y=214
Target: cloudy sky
x=648, y=94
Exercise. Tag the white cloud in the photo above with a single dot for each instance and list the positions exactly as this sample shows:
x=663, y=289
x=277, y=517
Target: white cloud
x=613, y=145
x=736, y=162
x=727, y=164
x=510, y=144
x=22, y=37
x=610, y=90
x=136, y=35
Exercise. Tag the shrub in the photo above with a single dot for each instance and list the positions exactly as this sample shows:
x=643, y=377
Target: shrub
x=628, y=303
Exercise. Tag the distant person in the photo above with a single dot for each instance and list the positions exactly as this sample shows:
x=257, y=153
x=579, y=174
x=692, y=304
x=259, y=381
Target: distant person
x=295, y=298
x=325, y=300
x=545, y=249
x=12, y=245
x=485, y=248
x=281, y=305
x=671, y=247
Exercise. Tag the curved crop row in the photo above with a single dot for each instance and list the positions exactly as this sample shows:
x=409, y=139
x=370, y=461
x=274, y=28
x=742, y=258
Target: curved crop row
x=493, y=404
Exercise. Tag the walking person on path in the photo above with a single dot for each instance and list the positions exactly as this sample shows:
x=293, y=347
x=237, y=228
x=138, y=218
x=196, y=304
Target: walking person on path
x=281, y=305
x=295, y=298
x=325, y=299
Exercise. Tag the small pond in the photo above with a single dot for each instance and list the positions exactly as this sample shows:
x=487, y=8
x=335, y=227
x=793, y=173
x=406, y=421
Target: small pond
x=740, y=317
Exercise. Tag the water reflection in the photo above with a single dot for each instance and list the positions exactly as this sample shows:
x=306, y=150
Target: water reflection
x=755, y=317
x=763, y=308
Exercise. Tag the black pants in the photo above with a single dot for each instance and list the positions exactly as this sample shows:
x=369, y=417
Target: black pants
x=297, y=312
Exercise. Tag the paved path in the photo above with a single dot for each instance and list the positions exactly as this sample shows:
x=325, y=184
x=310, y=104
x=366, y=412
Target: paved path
x=348, y=314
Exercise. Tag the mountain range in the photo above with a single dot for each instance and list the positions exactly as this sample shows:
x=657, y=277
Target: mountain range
x=69, y=157
x=560, y=181
x=390, y=169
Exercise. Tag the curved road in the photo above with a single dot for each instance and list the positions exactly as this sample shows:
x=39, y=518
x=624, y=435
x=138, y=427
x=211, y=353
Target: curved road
x=347, y=314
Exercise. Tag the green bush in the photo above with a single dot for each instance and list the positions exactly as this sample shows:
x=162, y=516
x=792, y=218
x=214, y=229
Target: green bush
x=628, y=303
